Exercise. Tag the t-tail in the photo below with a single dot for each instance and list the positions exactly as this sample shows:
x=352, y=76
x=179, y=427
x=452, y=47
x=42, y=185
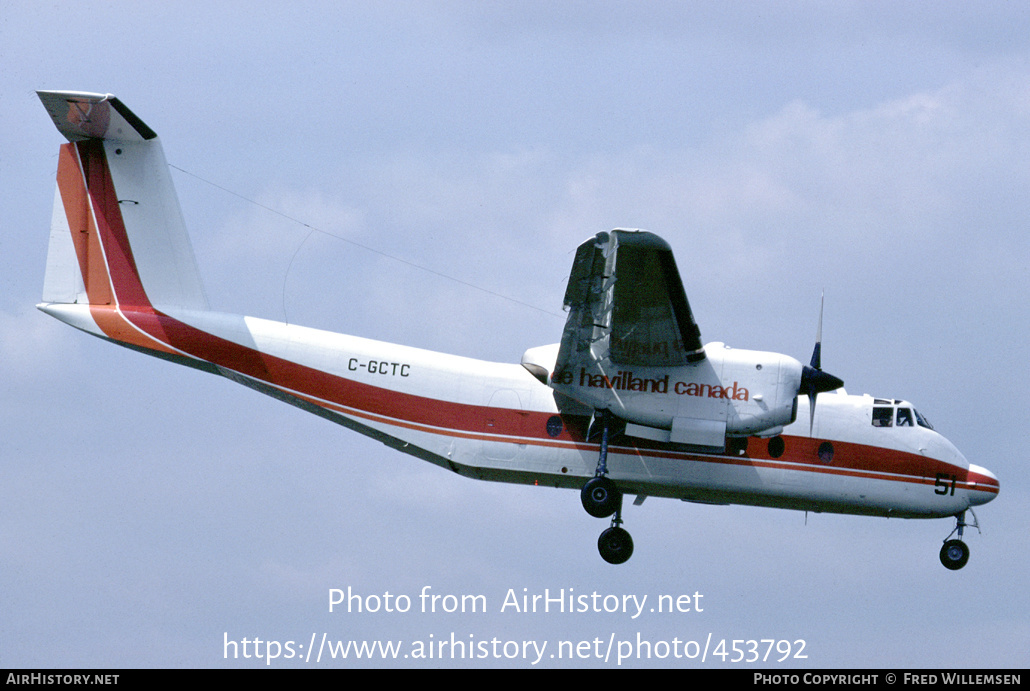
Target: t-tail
x=120, y=266
x=118, y=243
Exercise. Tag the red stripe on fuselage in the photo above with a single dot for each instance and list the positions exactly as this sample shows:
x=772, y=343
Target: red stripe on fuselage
x=121, y=266
x=108, y=269
x=85, y=239
x=137, y=322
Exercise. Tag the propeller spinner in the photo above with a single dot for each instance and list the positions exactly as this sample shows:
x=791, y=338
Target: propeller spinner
x=813, y=380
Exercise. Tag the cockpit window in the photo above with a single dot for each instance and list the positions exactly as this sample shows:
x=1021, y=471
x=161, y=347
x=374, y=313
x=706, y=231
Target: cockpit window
x=888, y=416
x=922, y=421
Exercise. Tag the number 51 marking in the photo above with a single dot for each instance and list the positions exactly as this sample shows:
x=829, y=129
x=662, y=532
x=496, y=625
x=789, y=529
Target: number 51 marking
x=945, y=484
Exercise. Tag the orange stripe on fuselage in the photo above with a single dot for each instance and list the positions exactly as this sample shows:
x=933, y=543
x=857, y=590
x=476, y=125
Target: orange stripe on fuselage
x=98, y=235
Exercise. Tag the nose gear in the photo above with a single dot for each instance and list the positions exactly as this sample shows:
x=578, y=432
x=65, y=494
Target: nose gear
x=955, y=553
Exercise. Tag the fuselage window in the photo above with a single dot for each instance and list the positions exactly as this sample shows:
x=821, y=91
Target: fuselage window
x=882, y=416
x=826, y=452
x=904, y=417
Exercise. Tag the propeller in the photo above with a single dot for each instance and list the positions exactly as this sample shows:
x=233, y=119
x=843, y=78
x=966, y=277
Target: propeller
x=813, y=380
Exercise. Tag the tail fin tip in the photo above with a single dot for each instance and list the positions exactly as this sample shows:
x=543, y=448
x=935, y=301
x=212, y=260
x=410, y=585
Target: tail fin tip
x=80, y=115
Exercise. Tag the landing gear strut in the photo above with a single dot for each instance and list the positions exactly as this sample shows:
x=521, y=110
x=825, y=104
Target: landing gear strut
x=602, y=498
x=955, y=553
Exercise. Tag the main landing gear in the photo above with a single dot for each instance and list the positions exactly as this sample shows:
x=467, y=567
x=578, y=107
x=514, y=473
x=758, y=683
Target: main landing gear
x=602, y=498
x=955, y=553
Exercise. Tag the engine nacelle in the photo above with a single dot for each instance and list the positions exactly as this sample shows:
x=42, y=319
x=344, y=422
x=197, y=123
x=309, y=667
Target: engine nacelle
x=729, y=393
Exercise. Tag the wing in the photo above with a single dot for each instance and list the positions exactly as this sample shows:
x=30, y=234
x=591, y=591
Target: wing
x=627, y=305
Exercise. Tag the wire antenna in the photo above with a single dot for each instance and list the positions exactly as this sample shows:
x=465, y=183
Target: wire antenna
x=314, y=229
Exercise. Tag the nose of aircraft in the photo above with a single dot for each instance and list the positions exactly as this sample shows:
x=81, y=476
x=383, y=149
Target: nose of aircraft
x=983, y=485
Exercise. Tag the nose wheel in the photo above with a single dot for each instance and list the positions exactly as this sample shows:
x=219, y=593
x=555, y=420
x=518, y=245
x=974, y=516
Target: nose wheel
x=601, y=498
x=955, y=553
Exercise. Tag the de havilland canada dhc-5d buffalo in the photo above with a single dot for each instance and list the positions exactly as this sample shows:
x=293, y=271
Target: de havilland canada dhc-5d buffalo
x=629, y=402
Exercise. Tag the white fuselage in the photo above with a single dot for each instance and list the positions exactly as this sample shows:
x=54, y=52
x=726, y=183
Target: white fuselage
x=496, y=421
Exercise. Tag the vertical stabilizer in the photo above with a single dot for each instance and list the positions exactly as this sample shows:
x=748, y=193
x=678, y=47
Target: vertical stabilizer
x=117, y=236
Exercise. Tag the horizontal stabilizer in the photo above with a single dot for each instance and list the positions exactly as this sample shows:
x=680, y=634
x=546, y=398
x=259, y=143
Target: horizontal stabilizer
x=80, y=115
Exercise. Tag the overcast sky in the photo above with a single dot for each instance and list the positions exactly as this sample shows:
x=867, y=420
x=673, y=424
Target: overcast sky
x=877, y=151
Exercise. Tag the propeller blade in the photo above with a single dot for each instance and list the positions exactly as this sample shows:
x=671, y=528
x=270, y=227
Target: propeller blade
x=811, y=413
x=813, y=380
x=817, y=353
